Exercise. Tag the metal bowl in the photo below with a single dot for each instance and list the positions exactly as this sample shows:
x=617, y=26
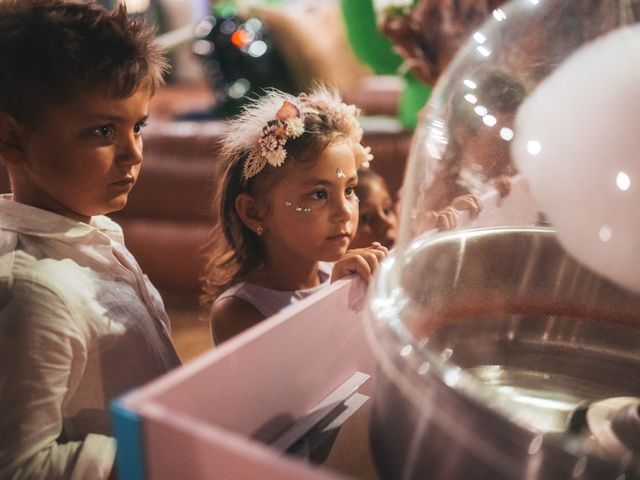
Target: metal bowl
x=502, y=357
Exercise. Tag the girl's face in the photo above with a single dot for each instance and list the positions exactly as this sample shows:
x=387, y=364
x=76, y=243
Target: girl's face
x=312, y=212
x=378, y=222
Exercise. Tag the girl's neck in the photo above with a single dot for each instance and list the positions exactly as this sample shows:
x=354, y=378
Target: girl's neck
x=286, y=276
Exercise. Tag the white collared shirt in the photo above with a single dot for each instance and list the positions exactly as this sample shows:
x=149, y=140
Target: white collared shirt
x=79, y=325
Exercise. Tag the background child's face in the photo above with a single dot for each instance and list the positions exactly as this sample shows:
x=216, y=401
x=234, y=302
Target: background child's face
x=83, y=158
x=378, y=222
x=487, y=150
x=313, y=212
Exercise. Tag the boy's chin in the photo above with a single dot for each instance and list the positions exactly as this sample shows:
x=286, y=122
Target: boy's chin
x=114, y=205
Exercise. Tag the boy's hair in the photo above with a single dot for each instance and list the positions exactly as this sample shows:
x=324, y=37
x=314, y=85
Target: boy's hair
x=52, y=49
x=367, y=176
x=498, y=90
x=233, y=250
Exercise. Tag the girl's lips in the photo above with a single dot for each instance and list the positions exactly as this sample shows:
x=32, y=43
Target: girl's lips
x=340, y=236
x=341, y=241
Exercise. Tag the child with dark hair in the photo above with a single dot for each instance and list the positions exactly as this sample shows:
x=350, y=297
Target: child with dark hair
x=287, y=208
x=79, y=322
x=378, y=221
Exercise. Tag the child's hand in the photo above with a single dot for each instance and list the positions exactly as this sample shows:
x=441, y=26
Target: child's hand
x=502, y=183
x=363, y=261
x=468, y=202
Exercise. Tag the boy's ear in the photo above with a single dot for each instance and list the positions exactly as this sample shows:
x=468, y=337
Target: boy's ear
x=248, y=211
x=10, y=138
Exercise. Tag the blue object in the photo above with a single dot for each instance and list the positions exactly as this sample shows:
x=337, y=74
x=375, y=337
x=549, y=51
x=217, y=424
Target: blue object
x=127, y=428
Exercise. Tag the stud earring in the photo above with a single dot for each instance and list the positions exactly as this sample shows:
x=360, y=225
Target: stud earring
x=259, y=230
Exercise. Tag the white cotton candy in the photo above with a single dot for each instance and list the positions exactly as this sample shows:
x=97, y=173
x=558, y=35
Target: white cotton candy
x=577, y=141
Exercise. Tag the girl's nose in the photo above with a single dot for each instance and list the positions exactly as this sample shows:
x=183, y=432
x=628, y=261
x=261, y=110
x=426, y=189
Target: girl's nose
x=344, y=209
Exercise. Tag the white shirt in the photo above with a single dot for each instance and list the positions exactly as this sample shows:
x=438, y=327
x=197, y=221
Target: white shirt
x=79, y=325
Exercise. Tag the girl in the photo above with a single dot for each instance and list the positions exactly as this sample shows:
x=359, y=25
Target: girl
x=378, y=221
x=286, y=206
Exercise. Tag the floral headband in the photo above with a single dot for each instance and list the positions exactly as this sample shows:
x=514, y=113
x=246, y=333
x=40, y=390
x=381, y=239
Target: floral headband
x=289, y=123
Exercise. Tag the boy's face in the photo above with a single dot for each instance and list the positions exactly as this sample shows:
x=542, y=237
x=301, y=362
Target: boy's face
x=83, y=158
x=378, y=222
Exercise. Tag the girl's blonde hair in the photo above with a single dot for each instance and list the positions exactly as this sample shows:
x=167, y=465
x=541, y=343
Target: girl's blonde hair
x=233, y=250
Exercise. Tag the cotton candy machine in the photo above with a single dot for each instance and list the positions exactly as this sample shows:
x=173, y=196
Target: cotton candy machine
x=506, y=323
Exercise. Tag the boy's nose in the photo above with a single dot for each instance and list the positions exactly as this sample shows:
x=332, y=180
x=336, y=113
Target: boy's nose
x=129, y=151
x=389, y=234
x=387, y=226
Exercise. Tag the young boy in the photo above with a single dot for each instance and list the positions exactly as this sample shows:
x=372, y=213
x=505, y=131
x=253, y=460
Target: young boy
x=79, y=322
x=378, y=221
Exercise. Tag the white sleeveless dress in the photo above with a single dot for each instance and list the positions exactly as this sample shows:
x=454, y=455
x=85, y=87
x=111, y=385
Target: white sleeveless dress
x=268, y=301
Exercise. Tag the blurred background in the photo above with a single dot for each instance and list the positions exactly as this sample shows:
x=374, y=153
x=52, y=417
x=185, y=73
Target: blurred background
x=238, y=48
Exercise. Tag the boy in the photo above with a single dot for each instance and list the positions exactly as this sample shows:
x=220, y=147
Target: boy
x=378, y=221
x=79, y=322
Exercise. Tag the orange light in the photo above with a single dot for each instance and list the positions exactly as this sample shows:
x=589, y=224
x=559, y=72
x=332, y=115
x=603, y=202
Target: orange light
x=240, y=38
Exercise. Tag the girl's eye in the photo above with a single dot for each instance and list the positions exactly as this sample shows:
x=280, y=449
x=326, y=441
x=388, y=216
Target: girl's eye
x=350, y=191
x=319, y=195
x=104, y=131
x=387, y=211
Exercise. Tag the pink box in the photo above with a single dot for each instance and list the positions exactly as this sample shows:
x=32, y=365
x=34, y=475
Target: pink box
x=201, y=420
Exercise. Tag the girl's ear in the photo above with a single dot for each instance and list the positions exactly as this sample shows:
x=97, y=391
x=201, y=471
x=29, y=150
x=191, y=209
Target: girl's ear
x=10, y=140
x=248, y=211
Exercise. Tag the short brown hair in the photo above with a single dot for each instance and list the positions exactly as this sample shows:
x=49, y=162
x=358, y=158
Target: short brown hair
x=52, y=49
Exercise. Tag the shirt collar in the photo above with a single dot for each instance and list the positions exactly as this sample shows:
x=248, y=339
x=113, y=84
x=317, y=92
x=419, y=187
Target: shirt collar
x=26, y=219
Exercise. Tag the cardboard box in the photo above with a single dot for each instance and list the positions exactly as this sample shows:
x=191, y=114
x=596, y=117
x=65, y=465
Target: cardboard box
x=212, y=417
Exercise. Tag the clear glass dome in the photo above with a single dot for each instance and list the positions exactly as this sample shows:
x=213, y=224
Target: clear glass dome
x=507, y=319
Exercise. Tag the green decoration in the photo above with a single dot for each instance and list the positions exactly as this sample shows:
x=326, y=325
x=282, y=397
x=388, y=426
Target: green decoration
x=375, y=50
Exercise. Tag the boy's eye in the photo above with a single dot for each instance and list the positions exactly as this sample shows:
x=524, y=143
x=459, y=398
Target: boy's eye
x=137, y=129
x=366, y=218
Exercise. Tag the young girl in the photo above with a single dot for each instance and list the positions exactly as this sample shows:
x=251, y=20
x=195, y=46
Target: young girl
x=287, y=208
x=378, y=221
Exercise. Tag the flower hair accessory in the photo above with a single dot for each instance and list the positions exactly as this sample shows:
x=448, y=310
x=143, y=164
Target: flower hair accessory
x=346, y=117
x=289, y=123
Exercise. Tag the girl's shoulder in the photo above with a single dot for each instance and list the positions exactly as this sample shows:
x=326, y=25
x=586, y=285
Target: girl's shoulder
x=269, y=301
x=230, y=315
